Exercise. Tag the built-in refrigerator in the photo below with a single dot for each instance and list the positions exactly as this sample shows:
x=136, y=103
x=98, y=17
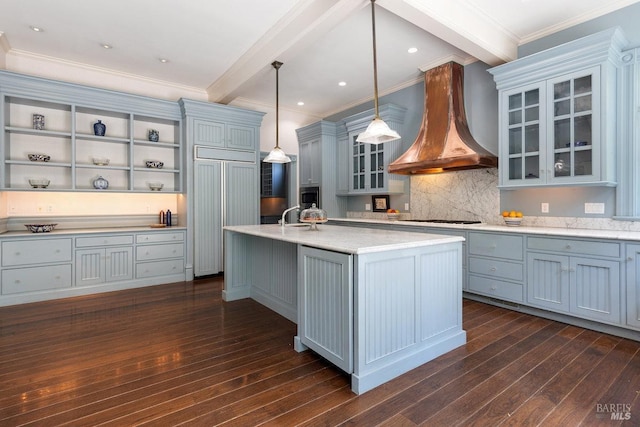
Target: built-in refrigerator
x=226, y=192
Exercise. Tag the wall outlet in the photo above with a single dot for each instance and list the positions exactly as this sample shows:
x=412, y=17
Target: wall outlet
x=594, y=208
x=544, y=207
x=367, y=206
x=406, y=206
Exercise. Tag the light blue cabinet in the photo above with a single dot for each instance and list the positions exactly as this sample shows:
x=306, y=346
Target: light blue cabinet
x=223, y=186
x=633, y=285
x=223, y=135
x=325, y=304
x=366, y=164
x=558, y=121
x=76, y=155
x=495, y=265
x=318, y=160
x=585, y=283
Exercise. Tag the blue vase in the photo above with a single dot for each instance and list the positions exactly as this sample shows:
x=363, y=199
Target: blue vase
x=99, y=128
x=100, y=183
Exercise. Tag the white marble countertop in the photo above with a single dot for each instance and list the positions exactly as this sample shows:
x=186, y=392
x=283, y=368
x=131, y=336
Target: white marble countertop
x=547, y=231
x=353, y=240
x=72, y=231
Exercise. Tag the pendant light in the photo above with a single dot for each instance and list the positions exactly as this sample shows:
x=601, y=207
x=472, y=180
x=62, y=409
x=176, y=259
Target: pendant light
x=277, y=155
x=378, y=131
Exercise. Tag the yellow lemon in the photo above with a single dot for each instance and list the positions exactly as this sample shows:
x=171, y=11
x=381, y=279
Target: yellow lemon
x=518, y=214
x=512, y=214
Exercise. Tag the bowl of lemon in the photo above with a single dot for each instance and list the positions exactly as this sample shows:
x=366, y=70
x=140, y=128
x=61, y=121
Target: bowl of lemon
x=512, y=218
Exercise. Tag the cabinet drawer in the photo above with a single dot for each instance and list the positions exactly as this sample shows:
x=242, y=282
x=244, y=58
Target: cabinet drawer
x=35, y=251
x=83, y=242
x=159, y=268
x=19, y=280
x=496, y=245
x=496, y=288
x=567, y=246
x=150, y=252
x=501, y=269
x=160, y=237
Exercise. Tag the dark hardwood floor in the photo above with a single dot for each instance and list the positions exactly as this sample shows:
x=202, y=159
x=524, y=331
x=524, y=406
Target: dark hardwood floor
x=177, y=354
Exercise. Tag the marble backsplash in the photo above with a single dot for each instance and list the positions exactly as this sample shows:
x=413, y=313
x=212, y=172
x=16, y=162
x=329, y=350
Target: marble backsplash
x=474, y=195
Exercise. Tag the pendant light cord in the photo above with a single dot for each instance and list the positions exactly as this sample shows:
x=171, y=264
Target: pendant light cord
x=375, y=60
x=277, y=65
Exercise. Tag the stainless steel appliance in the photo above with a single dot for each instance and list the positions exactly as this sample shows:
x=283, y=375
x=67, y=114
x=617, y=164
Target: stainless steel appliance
x=309, y=196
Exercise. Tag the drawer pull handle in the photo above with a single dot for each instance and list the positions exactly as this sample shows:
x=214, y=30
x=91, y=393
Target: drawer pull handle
x=568, y=247
x=630, y=258
x=494, y=288
x=493, y=269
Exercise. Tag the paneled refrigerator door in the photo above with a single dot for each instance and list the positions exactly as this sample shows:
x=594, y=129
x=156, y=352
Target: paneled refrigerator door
x=226, y=193
x=208, y=217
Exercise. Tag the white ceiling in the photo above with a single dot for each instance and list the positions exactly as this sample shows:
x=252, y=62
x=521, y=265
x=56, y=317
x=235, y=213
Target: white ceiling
x=226, y=47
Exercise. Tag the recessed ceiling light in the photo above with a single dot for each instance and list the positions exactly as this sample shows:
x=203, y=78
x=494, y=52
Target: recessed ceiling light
x=342, y=83
x=36, y=29
x=412, y=50
x=163, y=60
x=106, y=46
x=300, y=103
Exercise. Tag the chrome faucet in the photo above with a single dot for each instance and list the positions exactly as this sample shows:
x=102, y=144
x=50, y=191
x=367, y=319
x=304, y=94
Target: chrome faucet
x=284, y=214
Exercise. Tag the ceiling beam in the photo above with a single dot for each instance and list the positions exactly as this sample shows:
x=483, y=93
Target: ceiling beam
x=304, y=24
x=460, y=24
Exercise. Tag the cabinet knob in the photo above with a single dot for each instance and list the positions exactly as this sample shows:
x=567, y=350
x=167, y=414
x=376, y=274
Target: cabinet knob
x=17, y=253
x=630, y=258
x=492, y=247
x=17, y=281
x=567, y=247
x=57, y=251
x=494, y=287
x=493, y=269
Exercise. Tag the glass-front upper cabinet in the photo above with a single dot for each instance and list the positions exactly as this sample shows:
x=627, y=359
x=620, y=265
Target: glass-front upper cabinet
x=525, y=125
x=558, y=114
x=574, y=102
x=368, y=168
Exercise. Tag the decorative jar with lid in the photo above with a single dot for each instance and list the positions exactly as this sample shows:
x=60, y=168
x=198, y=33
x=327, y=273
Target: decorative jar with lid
x=100, y=183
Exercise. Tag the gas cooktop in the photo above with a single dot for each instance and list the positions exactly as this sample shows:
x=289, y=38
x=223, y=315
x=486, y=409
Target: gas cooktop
x=444, y=221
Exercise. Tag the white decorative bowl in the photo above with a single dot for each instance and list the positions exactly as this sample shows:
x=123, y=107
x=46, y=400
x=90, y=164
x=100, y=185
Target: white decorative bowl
x=100, y=161
x=40, y=228
x=393, y=216
x=39, y=183
x=512, y=222
x=35, y=157
x=154, y=164
x=155, y=186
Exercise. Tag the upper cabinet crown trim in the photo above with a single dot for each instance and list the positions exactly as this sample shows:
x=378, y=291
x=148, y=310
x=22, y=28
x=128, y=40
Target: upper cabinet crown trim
x=219, y=112
x=595, y=49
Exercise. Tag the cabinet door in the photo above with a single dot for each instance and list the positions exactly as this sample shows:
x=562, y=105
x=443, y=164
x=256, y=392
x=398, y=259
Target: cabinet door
x=207, y=200
x=241, y=137
x=548, y=281
x=633, y=285
x=119, y=264
x=90, y=267
x=574, y=127
x=523, y=127
x=208, y=133
x=310, y=162
x=595, y=288
x=241, y=194
x=325, y=313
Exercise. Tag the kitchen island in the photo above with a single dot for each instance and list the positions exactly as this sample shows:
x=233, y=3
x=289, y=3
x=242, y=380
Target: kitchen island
x=376, y=303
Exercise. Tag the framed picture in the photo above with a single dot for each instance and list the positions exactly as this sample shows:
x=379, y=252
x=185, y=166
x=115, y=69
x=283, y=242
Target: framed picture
x=380, y=203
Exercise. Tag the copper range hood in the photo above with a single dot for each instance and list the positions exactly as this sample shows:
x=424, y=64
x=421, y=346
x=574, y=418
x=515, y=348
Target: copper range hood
x=444, y=142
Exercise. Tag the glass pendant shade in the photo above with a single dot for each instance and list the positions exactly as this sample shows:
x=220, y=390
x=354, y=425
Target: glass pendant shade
x=277, y=155
x=378, y=132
